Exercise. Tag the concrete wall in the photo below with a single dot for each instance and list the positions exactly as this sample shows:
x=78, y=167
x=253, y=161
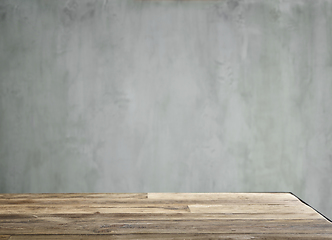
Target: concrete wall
x=171, y=96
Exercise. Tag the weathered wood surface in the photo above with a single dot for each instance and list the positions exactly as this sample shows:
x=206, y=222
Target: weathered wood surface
x=160, y=216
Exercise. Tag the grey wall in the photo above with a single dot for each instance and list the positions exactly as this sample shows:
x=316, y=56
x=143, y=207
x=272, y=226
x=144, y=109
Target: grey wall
x=171, y=96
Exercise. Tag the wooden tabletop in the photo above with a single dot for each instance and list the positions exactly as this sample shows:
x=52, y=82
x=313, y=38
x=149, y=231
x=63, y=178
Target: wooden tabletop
x=160, y=216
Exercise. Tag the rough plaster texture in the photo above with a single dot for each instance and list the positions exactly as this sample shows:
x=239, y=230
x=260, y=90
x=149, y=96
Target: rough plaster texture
x=171, y=96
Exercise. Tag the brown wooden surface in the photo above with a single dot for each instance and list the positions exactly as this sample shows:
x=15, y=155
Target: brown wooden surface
x=160, y=216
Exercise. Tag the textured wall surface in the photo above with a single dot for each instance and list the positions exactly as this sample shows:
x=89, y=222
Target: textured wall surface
x=171, y=96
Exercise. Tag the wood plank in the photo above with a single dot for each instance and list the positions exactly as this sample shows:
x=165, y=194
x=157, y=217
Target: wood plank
x=164, y=216
x=14, y=207
x=160, y=216
x=252, y=208
x=70, y=201
x=64, y=209
x=179, y=236
x=221, y=196
x=66, y=196
x=101, y=226
x=154, y=198
x=158, y=208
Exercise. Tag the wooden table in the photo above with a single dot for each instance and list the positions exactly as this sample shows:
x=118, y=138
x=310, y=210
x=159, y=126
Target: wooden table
x=160, y=216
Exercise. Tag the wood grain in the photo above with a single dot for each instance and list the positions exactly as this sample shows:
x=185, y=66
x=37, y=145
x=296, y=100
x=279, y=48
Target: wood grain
x=179, y=236
x=160, y=216
x=4, y=237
